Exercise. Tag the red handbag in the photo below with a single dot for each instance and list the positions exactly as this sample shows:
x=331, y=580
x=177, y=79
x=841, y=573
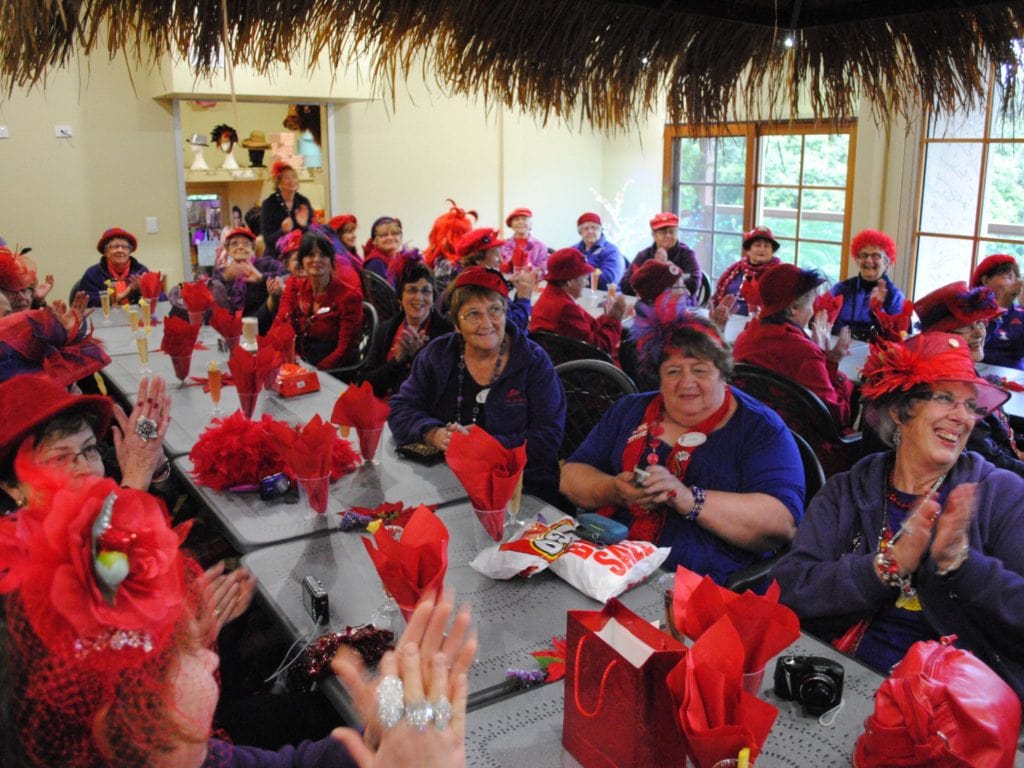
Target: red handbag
x=618, y=709
x=941, y=707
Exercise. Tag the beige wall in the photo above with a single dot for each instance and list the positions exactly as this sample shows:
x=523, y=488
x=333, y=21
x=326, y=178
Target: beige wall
x=403, y=158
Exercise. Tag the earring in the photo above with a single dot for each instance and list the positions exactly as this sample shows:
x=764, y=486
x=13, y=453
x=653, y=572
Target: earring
x=897, y=438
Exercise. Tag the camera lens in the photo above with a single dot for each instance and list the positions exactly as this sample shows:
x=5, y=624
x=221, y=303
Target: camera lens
x=818, y=693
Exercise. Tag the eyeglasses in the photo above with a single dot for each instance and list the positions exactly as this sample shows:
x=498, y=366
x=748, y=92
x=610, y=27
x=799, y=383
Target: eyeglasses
x=870, y=256
x=494, y=313
x=947, y=403
x=91, y=454
x=412, y=290
x=390, y=233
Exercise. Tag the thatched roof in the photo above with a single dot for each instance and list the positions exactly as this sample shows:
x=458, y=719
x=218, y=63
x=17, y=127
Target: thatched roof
x=608, y=61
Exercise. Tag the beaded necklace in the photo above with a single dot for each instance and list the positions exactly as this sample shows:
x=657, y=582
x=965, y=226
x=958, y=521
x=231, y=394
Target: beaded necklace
x=887, y=539
x=462, y=381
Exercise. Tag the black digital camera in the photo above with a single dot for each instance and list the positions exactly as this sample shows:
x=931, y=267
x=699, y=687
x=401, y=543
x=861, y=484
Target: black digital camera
x=814, y=681
x=314, y=598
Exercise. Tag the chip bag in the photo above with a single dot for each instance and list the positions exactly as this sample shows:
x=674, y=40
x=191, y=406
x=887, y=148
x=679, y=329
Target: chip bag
x=529, y=552
x=604, y=572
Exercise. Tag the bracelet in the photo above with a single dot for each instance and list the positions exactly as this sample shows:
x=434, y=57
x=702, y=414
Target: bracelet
x=888, y=570
x=698, y=504
x=961, y=558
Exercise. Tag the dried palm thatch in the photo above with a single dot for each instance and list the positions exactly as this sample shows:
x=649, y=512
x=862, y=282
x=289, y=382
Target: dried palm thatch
x=609, y=62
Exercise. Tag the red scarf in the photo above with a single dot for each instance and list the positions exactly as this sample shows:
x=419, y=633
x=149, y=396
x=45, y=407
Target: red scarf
x=120, y=278
x=750, y=274
x=519, y=257
x=646, y=524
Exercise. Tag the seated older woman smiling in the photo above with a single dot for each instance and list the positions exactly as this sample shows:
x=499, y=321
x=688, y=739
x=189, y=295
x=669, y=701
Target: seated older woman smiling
x=721, y=481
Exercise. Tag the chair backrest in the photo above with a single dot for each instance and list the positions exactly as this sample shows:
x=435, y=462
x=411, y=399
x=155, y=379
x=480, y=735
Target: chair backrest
x=804, y=413
x=703, y=290
x=591, y=388
x=366, y=331
x=562, y=349
x=74, y=289
x=379, y=292
x=814, y=475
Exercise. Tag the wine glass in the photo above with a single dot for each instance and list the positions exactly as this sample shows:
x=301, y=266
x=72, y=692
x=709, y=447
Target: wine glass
x=142, y=345
x=214, y=374
x=385, y=615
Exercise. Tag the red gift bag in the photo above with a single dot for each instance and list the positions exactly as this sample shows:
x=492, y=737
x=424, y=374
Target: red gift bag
x=618, y=709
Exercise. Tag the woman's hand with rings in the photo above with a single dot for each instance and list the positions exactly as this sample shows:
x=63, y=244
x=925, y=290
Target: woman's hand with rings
x=139, y=436
x=228, y=595
x=662, y=487
x=440, y=437
x=911, y=541
x=952, y=529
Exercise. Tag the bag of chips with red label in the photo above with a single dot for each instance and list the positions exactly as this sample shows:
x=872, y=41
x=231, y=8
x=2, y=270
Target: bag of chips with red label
x=530, y=552
x=604, y=572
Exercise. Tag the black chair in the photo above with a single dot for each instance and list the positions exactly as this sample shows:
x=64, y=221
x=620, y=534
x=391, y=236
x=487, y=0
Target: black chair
x=347, y=373
x=703, y=290
x=755, y=575
x=804, y=413
x=562, y=349
x=591, y=388
x=74, y=289
x=379, y=292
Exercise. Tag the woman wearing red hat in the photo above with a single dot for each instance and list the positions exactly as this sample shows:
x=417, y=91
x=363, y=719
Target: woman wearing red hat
x=482, y=248
x=759, y=247
x=601, y=254
x=696, y=466
x=666, y=247
x=874, y=252
x=251, y=285
x=921, y=541
x=345, y=226
x=1004, y=337
x=523, y=250
x=556, y=310
x=117, y=267
x=285, y=209
x=17, y=276
x=384, y=252
x=442, y=243
x=487, y=373
x=955, y=309
x=778, y=338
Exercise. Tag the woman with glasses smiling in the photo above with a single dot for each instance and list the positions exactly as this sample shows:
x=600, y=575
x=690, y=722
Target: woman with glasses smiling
x=487, y=374
x=921, y=541
x=873, y=253
x=398, y=341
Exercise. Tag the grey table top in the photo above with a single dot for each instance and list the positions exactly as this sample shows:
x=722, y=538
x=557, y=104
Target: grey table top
x=116, y=333
x=512, y=617
x=251, y=522
x=527, y=730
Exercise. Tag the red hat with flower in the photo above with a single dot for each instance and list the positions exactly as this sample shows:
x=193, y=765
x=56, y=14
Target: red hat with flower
x=482, y=277
x=872, y=237
x=664, y=219
x=653, y=278
x=116, y=232
x=17, y=271
x=290, y=242
x=925, y=360
x=94, y=619
x=337, y=223
x=990, y=264
x=478, y=240
x=954, y=306
x=278, y=167
x=35, y=341
x=760, y=233
x=516, y=213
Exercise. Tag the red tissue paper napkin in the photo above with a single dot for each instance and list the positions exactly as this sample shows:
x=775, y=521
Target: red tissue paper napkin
x=196, y=297
x=309, y=452
x=765, y=627
x=717, y=716
x=831, y=304
x=487, y=470
x=358, y=407
x=415, y=565
x=227, y=324
x=178, y=342
x=149, y=285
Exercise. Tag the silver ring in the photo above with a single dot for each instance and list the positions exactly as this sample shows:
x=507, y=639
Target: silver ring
x=442, y=713
x=419, y=715
x=146, y=428
x=216, y=611
x=390, y=701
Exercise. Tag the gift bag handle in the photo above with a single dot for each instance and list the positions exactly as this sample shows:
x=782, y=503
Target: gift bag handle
x=576, y=682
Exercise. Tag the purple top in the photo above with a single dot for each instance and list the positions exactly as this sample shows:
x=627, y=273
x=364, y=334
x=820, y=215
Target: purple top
x=325, y=753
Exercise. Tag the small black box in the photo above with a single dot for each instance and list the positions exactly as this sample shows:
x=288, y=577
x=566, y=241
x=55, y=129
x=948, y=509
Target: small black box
x=314, y=597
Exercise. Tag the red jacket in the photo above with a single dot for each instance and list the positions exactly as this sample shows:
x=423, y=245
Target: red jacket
x=556, y=311
x=788, y=351
x=326, y=333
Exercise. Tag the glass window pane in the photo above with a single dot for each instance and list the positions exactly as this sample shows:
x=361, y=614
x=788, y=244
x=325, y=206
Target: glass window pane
x=827, y=258
x=1013, y=247
x=1003, y=207
x=950, y=193
x=940, y=261
x=777, y=209
x=780, y=159
x=695, y=203
x=962, y=125
x=826, y=158
x=700, y=243
x=728, y=249
x=821, y=216
x=1006, y=126
x=732, y=160
x=696, y=159
x=729, y=195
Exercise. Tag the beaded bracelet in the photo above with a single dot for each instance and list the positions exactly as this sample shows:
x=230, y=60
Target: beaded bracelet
x=888, y=571
x=698, y=503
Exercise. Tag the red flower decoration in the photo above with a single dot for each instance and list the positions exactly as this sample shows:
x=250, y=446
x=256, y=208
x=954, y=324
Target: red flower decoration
x=235, y=451
x=552, y=660
x=47, y=556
